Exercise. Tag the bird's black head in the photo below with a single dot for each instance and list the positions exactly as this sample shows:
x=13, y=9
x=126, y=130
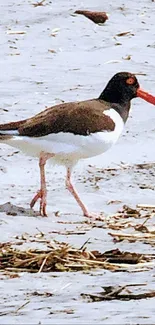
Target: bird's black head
x=121, y=88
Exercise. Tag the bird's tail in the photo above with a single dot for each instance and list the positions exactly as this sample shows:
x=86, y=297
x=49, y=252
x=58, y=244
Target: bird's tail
x=7, y=134
x=8, y=130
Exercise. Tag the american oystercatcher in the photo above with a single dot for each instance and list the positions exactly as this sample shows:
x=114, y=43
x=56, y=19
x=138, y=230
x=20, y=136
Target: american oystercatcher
x=68, y=132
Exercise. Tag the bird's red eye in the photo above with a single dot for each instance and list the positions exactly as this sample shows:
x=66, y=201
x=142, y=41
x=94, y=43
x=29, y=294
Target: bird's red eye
x=130, y=81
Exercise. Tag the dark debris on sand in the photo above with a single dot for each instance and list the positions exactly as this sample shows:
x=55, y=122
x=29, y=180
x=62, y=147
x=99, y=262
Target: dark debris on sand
x=98, y=17
x=63, y=257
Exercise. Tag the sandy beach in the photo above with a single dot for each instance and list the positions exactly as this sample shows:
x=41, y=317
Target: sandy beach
x=50, y=55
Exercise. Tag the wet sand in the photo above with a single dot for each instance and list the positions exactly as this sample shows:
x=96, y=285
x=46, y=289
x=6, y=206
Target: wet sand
x=32, y=77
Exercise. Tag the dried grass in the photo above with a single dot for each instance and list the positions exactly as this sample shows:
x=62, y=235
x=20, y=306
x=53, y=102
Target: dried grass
x=62, y=257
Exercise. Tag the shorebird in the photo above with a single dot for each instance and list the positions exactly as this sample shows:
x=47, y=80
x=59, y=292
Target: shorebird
x=71, y=131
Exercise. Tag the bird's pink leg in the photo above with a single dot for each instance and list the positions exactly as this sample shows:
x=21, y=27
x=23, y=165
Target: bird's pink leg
x=75, y=194
x=42, y=193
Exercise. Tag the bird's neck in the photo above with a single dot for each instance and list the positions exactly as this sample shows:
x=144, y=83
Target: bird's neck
x=120, y=104
x=123, y=110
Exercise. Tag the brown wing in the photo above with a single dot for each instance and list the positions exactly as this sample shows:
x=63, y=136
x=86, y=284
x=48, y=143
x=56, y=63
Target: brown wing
x=80, y=118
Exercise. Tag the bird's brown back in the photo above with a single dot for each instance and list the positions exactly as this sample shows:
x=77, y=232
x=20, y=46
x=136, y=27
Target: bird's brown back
x=82, y=118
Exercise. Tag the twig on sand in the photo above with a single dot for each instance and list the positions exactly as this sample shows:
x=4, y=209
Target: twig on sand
x=22, y=306
x=66, y=286
x=111, y=293
x=146, y=206
x=40, y=3
x=18, y=32
x=83, y=247
x=134, y=237
x=13, y=312
x=42, y=265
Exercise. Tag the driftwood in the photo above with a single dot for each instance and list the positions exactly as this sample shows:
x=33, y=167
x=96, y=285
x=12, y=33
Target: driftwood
x=119, y=293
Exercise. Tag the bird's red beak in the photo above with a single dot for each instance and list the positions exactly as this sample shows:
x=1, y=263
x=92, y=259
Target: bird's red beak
x=146, y=96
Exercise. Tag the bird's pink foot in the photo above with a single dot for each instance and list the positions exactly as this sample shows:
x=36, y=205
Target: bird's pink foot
x=41, y=194
x=90, y=215
x=93, y=216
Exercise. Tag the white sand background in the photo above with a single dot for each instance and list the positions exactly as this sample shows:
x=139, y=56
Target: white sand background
x=32, y=78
